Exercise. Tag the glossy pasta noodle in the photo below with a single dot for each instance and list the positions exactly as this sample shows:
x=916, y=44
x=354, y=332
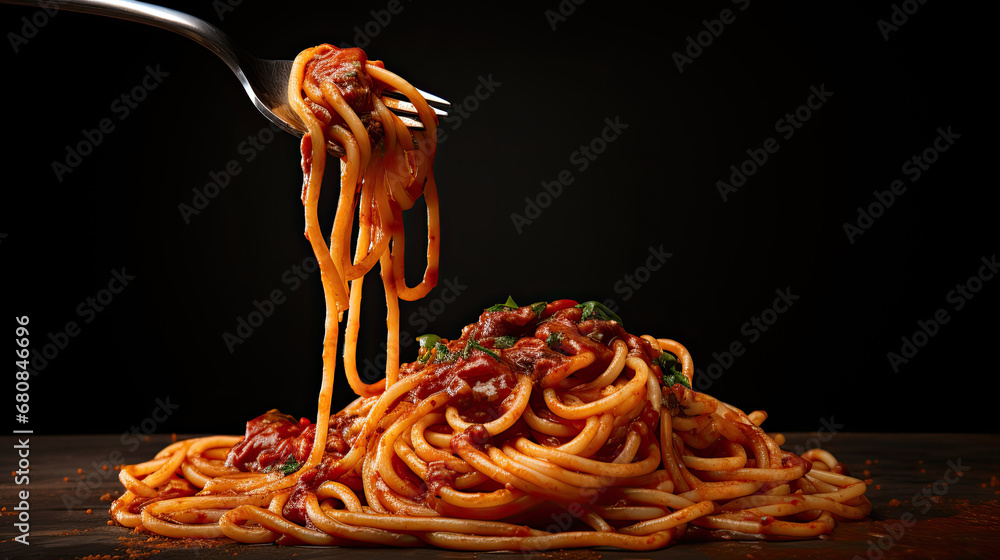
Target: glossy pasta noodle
x=539, y=427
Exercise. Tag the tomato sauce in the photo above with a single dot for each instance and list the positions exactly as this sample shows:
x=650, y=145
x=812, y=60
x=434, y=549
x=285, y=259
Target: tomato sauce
x=479, y=371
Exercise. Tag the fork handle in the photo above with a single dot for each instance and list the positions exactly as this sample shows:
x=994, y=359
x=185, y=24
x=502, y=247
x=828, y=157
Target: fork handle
x=196, y=29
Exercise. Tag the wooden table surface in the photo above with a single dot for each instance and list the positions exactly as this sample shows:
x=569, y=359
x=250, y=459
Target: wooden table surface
x=934, y=496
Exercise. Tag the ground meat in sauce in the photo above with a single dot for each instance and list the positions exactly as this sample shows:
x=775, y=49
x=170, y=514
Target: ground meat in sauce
x=345, y=68
x=512, y=322
x=479, y=376
x=274, y=440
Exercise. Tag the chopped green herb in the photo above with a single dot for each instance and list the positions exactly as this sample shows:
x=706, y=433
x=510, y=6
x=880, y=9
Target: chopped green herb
x=554, y=340
x=444, y=355
x=599, y=311
x=504, y=342
x=291, y=465
x=473, y=344
x=509, y=304
x=671, y=370
x=665, y=360
x=539, y=307
x=674, y=377
x=288, y=467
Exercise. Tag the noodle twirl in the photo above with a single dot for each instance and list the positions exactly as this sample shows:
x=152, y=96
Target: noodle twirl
x=538, y=427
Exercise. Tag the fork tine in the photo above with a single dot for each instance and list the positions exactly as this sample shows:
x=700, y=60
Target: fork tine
x=400, y=106
x=430, y=97
x=433, y=98
x=411, y=122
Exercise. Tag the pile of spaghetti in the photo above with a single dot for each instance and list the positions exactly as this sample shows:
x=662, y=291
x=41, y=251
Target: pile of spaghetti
x=540, y=427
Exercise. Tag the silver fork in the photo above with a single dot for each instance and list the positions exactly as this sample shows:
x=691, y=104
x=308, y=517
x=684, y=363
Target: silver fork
x=265, y=81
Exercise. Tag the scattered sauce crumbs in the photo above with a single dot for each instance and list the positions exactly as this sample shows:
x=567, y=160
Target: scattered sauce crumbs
x=65, y=479
x=135, y=547
x=173, y=438
x=79, y=471
x=106, y=497
x=894, y=502
x=994, y=481
x=89, y=511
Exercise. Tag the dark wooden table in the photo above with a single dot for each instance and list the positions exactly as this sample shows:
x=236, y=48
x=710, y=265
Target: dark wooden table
x=934, y=496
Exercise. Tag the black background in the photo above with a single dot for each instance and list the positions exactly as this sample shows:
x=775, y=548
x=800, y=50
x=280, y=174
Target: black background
x=823, y=361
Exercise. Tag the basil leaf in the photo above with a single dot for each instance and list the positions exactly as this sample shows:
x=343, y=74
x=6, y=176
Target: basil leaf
x=598, y=310
x=539, y=307
x=509, y=304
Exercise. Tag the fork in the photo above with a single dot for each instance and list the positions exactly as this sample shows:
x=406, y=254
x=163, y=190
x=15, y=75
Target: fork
x=265, y=81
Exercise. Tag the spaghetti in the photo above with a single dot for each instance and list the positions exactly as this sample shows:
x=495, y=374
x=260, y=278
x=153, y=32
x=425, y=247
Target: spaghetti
x=540, y=427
